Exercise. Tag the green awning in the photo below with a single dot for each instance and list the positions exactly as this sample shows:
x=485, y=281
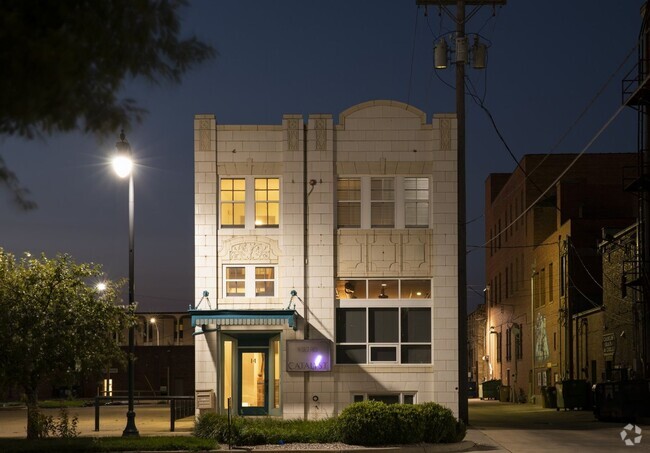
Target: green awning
x=213, y=318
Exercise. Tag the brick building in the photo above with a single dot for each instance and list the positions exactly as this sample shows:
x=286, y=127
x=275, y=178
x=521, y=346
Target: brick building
x=542, y=263
x=326, y=261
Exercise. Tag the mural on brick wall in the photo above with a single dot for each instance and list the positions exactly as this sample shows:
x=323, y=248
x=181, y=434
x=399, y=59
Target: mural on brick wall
x=541, y=339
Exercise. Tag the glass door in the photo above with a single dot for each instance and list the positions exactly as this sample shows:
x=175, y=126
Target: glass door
x=253, y=385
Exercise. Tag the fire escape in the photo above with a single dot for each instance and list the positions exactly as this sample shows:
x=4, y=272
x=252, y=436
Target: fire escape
x=636, y=94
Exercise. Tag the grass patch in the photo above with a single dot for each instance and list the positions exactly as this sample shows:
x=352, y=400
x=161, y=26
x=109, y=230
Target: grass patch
x=58, y=404
x=106, y=444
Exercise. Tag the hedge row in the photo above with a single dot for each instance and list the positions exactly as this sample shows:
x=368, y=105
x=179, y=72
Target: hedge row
x=366, y=423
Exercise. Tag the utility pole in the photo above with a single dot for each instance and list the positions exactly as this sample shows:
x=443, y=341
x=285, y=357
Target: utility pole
x=462, y=215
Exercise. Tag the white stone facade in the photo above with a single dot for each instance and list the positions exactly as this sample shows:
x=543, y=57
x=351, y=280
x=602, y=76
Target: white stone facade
x=309, y=253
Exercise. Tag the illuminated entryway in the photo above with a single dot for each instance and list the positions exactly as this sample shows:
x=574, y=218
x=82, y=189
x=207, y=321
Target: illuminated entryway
x=253, y=387
x=250, y=372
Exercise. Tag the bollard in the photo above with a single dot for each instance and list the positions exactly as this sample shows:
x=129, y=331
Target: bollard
x=96, y=413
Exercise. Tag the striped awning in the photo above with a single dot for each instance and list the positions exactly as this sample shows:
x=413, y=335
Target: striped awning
x=208, y=318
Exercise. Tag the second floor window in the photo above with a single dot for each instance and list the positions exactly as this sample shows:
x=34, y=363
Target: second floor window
x=382, y=199
x=383, y=202
x=349, y=202
x=249, y=281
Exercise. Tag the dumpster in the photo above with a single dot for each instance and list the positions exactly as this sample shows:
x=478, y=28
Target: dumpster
x=490, y=389
x=622, y=400
x=572, y=394
x=549, y=397
x=504, y=393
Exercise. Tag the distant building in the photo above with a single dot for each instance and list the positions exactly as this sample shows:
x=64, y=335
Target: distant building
x=543, y=267
x=326, y=261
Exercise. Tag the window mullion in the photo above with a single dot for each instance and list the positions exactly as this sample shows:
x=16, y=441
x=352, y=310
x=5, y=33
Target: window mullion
x=399, y=202
x=365, y=202
x=250, y=203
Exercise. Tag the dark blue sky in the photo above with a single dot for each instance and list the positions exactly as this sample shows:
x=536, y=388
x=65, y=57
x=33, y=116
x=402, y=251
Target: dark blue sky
x=547, y=62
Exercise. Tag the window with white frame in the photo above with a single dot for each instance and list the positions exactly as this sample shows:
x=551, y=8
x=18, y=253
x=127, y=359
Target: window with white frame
x=233, y=202
x=249, y=281
x=416, y=202
x=249, y=202
x=267, y=202
x=348, y=192
x=383, y=335
x=383, y=202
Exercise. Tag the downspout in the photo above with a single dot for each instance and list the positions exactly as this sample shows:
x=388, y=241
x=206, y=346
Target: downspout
x=305, y=222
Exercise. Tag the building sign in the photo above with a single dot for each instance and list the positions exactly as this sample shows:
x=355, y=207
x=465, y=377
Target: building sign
x=309, y=355
x=609, y=345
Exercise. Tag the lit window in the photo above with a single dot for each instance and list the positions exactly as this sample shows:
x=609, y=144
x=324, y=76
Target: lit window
x=383, y=289
x=267, y=202
x=349, y=202
x=235, y=281
x=382, y=198
x=233, y=203
x=264, y=281
x=249, y=281
x=416, y=202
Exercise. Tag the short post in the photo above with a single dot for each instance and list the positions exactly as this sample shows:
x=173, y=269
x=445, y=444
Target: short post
x=172, y=414
x=96, y=413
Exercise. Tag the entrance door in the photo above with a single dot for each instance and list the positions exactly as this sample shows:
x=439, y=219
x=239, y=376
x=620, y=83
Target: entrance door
x=253, y=385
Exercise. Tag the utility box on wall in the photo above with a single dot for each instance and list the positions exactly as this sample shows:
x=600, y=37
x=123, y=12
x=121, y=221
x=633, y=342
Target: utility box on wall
x=205, y=399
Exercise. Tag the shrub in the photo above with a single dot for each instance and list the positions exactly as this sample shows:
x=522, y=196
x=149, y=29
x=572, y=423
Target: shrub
x=213, y=426
x=365, y=423
x=48, y=426
x=407, y=426
x=439, y=423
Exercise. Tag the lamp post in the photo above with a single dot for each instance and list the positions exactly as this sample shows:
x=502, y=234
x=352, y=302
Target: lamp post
x=123, y=166
x=155, y=324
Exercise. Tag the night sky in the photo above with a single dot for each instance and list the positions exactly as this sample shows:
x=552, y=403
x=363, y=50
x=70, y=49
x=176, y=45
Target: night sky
x=547, y=63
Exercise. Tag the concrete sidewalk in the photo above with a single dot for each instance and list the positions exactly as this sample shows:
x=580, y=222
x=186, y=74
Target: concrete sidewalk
x=151, y=420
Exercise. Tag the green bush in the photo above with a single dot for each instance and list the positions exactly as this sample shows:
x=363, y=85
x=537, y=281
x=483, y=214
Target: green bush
x=408, y=426
x=264, y=430
x=365, y=423
x=213, y=426
x=439, y=423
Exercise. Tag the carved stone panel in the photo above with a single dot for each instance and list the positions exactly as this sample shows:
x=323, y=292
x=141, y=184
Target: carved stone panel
x=416, y=252
x=351, y=253
x=384, y=252
x=250, y=250
x=445, y=134
x=292, y=131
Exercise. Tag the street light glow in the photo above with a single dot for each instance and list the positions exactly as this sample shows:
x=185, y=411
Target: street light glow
x=122, y=165
x=101, y=286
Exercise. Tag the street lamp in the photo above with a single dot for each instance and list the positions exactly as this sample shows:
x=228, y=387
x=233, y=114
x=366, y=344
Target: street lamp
x=123, y=166
x=153, y=321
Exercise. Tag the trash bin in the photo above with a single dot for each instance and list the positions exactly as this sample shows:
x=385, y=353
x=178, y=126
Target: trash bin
x=549, y=397
x=490, y=389
x=504, y=393
x=572, y=394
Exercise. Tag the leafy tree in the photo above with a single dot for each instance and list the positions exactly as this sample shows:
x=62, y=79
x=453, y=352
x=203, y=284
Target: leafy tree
x=63, y=63
x=54, y=322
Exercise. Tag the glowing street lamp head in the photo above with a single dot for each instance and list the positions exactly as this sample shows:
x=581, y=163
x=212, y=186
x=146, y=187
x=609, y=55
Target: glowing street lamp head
x=152, y=320
x=101, y=286
x=122, y=162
